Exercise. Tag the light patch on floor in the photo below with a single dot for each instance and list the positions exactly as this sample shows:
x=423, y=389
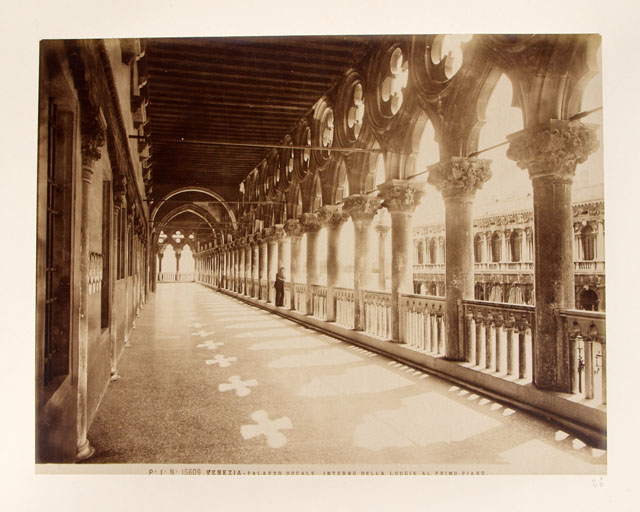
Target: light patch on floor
x=222, y=361
x=268, y=428
x=268, y=333
x=325, y=357
x=242, y=388
x=537, y=457
x=423, y=420
x=202, y=334
x=289, y=343
x=210, y=344
x=355, y=381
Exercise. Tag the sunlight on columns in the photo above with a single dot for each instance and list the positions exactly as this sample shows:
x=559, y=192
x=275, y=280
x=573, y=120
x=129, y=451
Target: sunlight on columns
x=346, y=254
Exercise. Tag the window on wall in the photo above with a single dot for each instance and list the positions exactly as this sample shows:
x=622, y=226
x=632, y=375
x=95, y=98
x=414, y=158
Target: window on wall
x=419, y=247
x=588, y=240
x=477, y=249
x=433, y=248
x=496, y=248
x=106, y=254
x=516, y=246
x=57, y=300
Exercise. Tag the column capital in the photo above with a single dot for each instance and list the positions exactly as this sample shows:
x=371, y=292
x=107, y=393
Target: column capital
x=401, y=196
x=92, y=137
x=553, y=149
x=293, y=228
x=460, y=176
x=273, y=233
x=310, y=222
x=382, y=229
x=361, y=207
x=332, y=216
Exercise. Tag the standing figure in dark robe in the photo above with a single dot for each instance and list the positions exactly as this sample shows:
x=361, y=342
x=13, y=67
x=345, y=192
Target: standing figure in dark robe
x=279, y=286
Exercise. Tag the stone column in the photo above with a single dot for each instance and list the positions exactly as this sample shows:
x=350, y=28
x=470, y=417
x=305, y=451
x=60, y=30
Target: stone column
x=293, y=228
x=400, y=199
x=247, y=266
x=263, y=266
x=255, y=266
x=458, y=180
x=333, y=217
x=311, y=224
x=273, y=236
x=383, y=231
x=178, y=256
x=93, y=137
x=551, y=152
x=241, y=265
x=362, y=209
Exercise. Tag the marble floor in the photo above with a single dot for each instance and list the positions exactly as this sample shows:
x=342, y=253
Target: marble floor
x=212, y=380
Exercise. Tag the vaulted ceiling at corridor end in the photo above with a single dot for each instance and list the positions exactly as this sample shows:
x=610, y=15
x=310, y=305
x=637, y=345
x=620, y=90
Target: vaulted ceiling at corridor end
x=275, y=126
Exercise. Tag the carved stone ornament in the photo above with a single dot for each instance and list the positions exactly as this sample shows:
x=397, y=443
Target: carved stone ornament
x=293, y=228
x=310, y=222
x=332, y=215
x=362, y=207
x=459, y=176
x=93, y=138
x=554, y=149
x=401, y=196
x=273, y=233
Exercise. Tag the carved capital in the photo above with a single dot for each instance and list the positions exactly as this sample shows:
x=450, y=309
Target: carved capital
x=310, y=222
x=361, y=207
x=273, y=233
x=460, y=176
x=554, y=149
x=332, y=216
x=293, y=228
x=92, y=131
x=401, y=196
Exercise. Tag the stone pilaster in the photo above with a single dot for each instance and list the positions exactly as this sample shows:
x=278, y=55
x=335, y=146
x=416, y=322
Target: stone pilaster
x=400, y=198
x=362, y=210
x=551, y=153
x=458, y=180
x=333, y=218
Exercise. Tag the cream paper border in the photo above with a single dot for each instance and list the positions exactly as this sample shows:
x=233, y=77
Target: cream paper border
x=24, y=23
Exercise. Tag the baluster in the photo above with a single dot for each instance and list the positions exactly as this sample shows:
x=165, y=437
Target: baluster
x=470, y=335
x=588, y=369
x=427, y=329
x=501, y=345
x=489, y=353
x=421, y=329
x=512, y=347
x=480, y=339
x=440, y=334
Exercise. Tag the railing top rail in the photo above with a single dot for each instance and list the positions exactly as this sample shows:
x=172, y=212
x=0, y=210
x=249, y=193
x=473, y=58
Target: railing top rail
x=342, y=289
x=582, y=313
x=377, y=292
x=499, y=305
x=423, y=297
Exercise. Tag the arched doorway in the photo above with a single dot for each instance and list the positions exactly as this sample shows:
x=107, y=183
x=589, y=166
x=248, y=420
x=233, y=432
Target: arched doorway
x=589, y=300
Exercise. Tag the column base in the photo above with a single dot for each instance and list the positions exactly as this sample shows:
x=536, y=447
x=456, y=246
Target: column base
x=114, y=376
x=84, y=451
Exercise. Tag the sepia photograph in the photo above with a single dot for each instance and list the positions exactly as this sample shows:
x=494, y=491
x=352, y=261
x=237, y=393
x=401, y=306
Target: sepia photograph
x=344, y=251
x=299, y=255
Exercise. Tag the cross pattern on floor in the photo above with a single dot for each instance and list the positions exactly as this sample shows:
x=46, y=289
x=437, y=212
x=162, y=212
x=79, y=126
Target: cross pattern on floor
x=221, y=361
x=210, y=344
x=242, y=388
x=268, y=428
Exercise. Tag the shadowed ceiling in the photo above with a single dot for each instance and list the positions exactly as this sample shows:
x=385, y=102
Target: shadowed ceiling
x=249, y=90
